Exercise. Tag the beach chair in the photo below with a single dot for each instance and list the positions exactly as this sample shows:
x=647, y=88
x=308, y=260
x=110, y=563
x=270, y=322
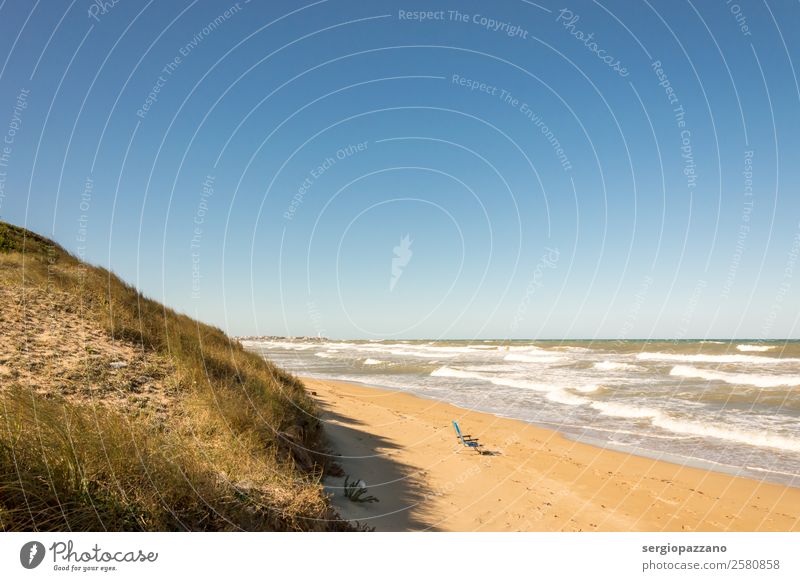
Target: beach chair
x=466, y=439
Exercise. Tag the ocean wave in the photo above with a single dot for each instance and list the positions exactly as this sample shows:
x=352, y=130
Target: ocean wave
x=757, y=469
x=755, y=347
x=566, y=398
x=445, y=349
x=736, y=378
x=458, y=373
x=372, y=361
x=587, y=388
x=572, y=349
x=750, y=437
x=324, y=355
x=704, y=358
x=617, y=431
x=423, y=354
x=522, y=384
x=534, y=358
x=453, y=349
x=525, y=348
x=495, y=380
x=392, y=348
x=622, y=410
x=615, y=366
x=694, y=428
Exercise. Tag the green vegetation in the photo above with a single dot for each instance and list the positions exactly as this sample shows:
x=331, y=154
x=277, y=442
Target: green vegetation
x=356, y=491
x=231, y=445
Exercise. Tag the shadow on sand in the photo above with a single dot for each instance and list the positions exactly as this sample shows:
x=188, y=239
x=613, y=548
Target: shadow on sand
x=401, y=491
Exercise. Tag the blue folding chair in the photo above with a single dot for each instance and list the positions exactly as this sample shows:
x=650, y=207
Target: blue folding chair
x=466, y=439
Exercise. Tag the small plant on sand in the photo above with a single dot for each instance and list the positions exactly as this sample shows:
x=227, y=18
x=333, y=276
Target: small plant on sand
x=360, y=527
x=356, y=491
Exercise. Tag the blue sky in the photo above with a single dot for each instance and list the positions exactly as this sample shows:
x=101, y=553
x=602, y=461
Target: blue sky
x=581, y=170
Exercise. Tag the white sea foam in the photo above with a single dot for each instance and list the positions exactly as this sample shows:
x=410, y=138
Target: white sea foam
x=324, y=355
x=705, y=358
x=372, y=361
x=493, y=379
x=459, y=373
x=523, y=384
x=572, y=349
x=755, y=347
x=534, y=358
x=639, y=433
x=736, y=378
x=751, y=437
x=446, y=348
x=757, y=469
x=563, y=396
x=527, y=348
x=555, y=393
x=587, y=388
x=621, y=410
x=423, y=354
x=694, y=428
x=615, y=366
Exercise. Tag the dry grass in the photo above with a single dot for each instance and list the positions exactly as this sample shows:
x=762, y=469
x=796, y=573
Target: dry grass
x=191, y=433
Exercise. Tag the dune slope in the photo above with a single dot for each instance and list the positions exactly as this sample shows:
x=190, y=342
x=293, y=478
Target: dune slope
x=117, y=413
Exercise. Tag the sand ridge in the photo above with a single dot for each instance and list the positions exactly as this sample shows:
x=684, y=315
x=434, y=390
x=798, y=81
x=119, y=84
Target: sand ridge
x=52, y=346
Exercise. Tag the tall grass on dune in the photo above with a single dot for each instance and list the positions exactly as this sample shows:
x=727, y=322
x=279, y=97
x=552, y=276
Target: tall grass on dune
x=233, y=445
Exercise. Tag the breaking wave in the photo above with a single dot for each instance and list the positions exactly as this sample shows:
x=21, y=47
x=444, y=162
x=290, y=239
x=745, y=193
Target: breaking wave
x=736, y=378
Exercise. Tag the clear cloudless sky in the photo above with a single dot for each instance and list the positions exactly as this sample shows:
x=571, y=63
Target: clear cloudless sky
x=608, y=169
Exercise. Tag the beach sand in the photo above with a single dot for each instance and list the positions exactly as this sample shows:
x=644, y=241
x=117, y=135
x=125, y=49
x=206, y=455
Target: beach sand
x=529, y=479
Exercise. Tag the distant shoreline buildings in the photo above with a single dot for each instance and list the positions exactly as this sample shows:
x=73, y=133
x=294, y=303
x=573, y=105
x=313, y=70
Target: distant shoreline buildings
x=281, y=338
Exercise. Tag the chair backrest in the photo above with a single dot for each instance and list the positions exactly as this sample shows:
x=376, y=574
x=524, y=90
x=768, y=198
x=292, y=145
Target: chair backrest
x=458, y=430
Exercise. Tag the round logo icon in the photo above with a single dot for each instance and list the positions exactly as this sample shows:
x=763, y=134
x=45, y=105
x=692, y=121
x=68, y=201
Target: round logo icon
x=31, y=554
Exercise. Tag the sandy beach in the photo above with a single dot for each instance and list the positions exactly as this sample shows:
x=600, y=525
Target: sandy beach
x=527, y=479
